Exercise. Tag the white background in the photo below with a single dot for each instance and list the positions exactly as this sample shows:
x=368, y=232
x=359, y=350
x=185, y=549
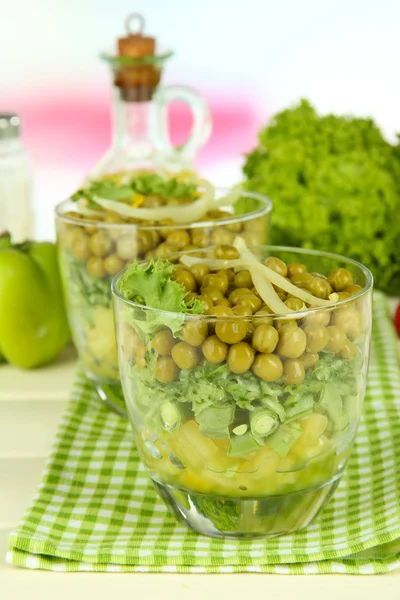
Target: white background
x=342, y=55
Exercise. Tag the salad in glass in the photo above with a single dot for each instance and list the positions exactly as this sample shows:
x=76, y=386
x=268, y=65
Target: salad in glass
x=244, y=373
x=110, y=222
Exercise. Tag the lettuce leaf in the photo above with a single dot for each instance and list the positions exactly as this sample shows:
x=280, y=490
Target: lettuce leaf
x=154, y=184
x=86, y=291
x=149, y=184
x=151, y=286
x=335, y=185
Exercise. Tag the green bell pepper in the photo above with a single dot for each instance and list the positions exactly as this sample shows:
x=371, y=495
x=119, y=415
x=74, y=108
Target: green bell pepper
x=33, y=322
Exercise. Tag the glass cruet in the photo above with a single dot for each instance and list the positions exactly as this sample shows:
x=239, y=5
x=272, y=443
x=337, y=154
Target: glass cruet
x=140, y=139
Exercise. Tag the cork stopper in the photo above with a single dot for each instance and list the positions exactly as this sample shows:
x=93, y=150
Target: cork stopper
x=138, y=80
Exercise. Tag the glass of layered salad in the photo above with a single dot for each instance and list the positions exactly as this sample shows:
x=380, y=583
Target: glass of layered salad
x=244, y=373
x=109, y=223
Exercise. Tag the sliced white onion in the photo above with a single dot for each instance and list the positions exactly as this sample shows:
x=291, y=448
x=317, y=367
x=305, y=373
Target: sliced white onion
x=267, y=292
x=277, y=279
x=189, y=213
x=213, y=263
x=178, y=214
x=290, y=288
x=263, y=278
x=261, y=282
x=87, y=212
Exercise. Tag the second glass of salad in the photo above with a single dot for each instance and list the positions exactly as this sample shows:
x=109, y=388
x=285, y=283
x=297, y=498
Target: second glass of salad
x=244, y=372
x=139, y=215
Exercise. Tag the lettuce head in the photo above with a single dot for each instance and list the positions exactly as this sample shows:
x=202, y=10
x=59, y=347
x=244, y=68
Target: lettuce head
x=335, y=185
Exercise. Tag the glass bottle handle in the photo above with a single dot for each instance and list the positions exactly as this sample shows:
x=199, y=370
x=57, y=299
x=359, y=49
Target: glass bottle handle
x=201, y=127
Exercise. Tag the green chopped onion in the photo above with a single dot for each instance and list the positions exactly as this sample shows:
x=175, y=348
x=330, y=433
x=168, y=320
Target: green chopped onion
x=172, y=416
x=298, y=407
x=263, y=422
x=214, y=420
x=215, y=434
x=240, y=445
x=284, y=438
x=273, y=404
x=331, y=405
x=240, y=429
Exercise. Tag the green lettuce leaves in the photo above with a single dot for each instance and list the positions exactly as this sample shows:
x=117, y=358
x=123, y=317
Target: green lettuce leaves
x=224, y=514
x=84, y=289
x=335, y=185
x=208, y=385
x=152, y=286
x=149, y=184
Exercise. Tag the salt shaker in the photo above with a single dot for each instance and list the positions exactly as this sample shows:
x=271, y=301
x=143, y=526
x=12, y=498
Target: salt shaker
x=16, y=214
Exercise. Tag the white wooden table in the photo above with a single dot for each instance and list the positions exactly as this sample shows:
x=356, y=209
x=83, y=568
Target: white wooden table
x=31, y=404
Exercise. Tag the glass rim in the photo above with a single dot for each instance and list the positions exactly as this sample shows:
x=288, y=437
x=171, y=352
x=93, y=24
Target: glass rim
x=300, y=314
x=259, y=212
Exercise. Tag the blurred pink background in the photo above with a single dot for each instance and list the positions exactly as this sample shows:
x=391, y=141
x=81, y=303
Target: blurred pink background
x=248, y=59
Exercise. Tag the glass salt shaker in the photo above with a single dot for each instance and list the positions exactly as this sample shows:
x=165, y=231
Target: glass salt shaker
x=16, y=215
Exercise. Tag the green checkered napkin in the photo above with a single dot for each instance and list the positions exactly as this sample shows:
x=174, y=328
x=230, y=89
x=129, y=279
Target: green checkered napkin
x=96, y=510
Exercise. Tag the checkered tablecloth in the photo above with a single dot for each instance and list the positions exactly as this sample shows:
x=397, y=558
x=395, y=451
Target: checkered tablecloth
x=96, y=510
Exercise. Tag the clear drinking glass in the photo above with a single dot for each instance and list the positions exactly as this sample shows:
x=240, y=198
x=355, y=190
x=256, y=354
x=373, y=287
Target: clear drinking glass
x=92, y=251
x=248, y=441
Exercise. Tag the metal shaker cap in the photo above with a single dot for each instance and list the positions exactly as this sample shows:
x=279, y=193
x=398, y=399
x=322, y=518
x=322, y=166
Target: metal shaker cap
x=10, y=126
